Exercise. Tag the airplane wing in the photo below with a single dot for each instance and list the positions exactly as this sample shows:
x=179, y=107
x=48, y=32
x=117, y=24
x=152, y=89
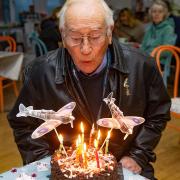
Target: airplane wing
x=67, y=109
x=132, y=121
x=45, y=128
x=109, y=123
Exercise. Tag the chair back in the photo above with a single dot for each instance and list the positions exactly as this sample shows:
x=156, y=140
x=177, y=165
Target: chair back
x=166, y=58
x=3, y=81
x=11, y=42
x=175, y=51
x=38, y=43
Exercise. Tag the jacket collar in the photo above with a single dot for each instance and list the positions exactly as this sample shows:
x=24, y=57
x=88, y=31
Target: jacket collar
x=117, y=57
x=60, y=69
x=118, y=61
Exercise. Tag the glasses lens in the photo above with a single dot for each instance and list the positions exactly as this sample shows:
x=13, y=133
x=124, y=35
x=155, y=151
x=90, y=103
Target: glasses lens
x=73, y=41
x=93, y=39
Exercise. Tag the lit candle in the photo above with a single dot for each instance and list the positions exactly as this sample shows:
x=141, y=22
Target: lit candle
x=98, y=138
x=84, y=156
x=77, y=143
x=82, y=131
x=79, y=139
x=60, y=140
x=96, y=153
x=61, y=144
x=80, y=144
x=79, y=150
x=107, y=142
x=104, y=141
x=91, y=135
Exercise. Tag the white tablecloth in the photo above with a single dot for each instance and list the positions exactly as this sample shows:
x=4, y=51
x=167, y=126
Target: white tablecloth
x=10, y=64
x=175, y=106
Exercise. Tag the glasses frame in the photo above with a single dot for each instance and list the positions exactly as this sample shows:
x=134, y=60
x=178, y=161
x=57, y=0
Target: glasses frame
x=89, y=37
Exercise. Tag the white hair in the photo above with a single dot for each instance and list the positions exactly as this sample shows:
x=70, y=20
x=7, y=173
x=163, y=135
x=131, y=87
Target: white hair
x=161, y=3
x=108, y=13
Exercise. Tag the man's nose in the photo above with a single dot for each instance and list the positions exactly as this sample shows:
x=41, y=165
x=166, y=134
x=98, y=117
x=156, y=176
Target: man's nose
x=85, y=46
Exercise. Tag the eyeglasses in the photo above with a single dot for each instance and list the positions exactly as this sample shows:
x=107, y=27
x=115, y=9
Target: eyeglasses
x=94, y=38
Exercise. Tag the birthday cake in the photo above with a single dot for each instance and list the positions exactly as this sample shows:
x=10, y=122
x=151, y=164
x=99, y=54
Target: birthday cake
x=80, y=163
x=72, y=166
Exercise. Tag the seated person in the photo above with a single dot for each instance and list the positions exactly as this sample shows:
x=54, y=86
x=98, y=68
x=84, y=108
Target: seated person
x=127, y=26
x=161, y=30
x=90, y=66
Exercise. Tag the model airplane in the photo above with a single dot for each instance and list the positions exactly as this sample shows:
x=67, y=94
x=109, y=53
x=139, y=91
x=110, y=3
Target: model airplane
x=52, y=119
x=118, y=120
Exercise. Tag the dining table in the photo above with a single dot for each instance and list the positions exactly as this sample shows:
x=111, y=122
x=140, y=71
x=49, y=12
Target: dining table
x=11, y=64
x=41, y=170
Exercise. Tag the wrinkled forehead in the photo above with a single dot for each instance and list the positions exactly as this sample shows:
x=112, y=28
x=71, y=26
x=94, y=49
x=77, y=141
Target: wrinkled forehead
x=85, y=15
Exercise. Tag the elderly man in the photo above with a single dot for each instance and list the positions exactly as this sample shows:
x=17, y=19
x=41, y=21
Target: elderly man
x=90, y=66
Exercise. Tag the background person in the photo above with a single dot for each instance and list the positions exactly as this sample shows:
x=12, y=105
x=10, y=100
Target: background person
x=49, y=31
x=92, y=65
x=161, y=30
x=127, y=26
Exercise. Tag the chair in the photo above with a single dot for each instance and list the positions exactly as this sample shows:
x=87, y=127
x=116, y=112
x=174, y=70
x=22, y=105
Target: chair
x=165, y=62
x=175, y=52
x=38, y=45
x=11, y=42
x=5, y=82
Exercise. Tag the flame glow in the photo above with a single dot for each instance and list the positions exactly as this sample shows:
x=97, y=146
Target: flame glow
x=109, y=134
x=95, y=143
x=61, y=139
x=99, y=134
x=79, y=139
x=82, y=128
x=84, y=147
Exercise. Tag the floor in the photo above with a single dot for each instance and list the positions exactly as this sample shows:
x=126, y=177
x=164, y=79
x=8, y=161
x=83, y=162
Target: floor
x=168, y=150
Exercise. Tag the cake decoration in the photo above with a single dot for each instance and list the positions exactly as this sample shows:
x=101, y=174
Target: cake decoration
x=52, y=119
x=118, y=120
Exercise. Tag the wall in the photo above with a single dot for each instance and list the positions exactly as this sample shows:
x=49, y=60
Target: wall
x=119, y=4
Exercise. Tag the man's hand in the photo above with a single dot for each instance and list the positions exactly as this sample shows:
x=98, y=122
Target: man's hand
x=130, y=164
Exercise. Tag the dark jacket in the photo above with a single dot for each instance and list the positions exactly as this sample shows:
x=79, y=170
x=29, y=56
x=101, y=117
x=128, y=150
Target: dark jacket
x=50, y=83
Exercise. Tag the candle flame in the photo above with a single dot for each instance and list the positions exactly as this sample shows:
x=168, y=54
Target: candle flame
x=82, y=128
x=99, y=134
x=109, y=134
x=84, y=147
x=95, y=143
x=79, y=139
x=77, y=142
x=92, y=129
x=61, y=138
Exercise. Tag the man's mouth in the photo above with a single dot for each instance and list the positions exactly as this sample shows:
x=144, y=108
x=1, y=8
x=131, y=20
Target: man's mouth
x=86, y=62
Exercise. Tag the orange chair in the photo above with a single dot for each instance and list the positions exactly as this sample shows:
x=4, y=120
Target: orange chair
x=176, y=53
x=11, y=42
x=5, y=82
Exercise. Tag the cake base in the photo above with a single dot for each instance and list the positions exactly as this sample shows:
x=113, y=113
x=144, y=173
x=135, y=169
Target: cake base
x=57, y=174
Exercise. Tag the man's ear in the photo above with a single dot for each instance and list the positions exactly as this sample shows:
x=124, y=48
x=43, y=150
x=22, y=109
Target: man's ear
x=62, y=36
x=110, y=34
x=63, y=43
x=110, y=39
